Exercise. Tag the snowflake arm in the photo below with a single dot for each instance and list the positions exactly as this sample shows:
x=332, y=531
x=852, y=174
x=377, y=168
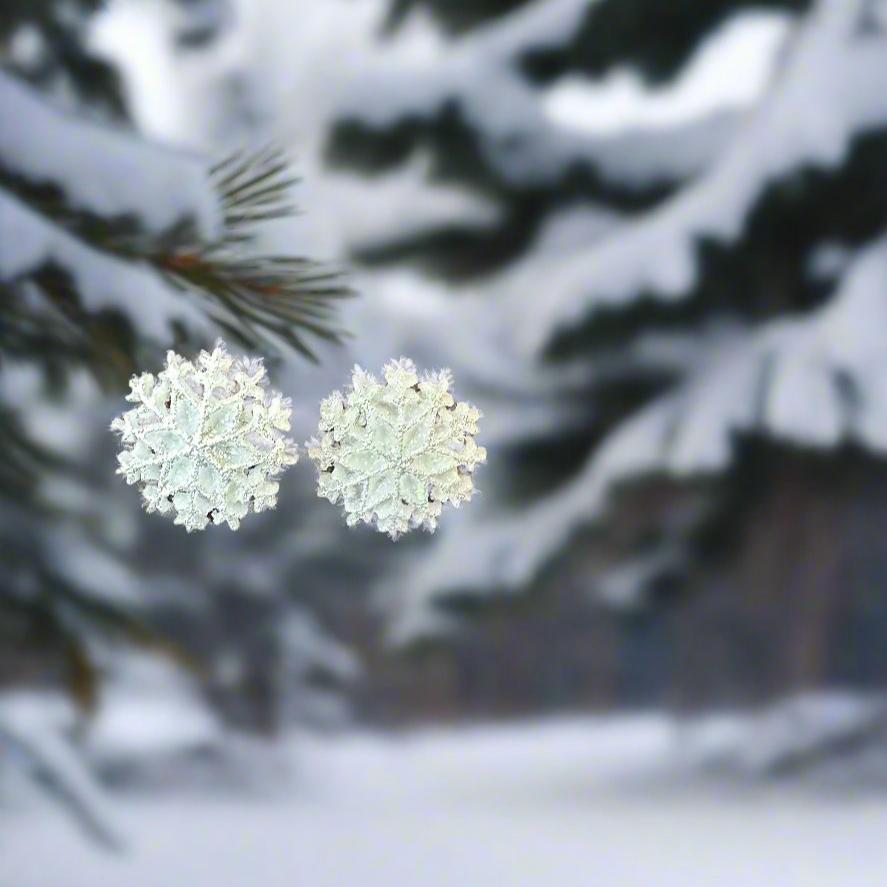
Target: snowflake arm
x=206, y=439
x=395, y=453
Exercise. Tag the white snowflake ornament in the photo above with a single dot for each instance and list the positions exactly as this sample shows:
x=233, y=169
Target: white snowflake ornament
x=207, y=439
x=394, y=453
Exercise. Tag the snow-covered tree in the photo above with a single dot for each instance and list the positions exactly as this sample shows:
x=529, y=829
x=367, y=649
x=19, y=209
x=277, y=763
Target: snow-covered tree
x=640, y=235
x=114, y=248
x=673, y=312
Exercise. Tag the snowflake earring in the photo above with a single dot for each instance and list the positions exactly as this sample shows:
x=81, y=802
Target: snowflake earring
x=206, y=440
x=395, y=453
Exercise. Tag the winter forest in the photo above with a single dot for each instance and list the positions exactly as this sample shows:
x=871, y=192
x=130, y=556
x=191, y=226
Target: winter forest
x=613, y=274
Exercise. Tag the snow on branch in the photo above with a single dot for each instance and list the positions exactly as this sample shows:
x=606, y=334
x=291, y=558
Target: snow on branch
x=28, y=242
x=403, y=203
x=479, y=75
x=100, y=169
x=814, y=381
x=833, y=61
x=502, y=553
x=32, y=735
x=156, y=280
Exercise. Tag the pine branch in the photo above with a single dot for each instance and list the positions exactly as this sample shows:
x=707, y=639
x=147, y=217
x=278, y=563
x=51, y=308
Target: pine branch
x=259, y=299
x=287, y=296
x=45, y=320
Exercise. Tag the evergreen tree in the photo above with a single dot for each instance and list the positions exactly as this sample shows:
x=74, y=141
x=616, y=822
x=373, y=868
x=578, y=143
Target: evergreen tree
x=113, y=249
x=696, y=305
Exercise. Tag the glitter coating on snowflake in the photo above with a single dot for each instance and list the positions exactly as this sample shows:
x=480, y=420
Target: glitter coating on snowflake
x=394, y=453
x=206, y=440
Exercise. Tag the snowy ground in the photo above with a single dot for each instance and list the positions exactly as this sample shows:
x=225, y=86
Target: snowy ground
x=567, y=803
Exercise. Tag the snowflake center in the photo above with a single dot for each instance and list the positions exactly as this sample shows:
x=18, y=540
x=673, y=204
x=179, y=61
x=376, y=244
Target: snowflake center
x=395, y=453
x=207, y=439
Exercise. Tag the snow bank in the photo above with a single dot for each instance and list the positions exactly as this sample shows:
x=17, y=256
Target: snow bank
x=571, y=802
x=151, y=715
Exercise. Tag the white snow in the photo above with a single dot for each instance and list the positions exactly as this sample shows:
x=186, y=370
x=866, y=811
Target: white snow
x=625, y=586
x=308, y=648
x=731, y=69
x=34, y=737
x=831, y=60
x=307, y=651
x=28, y=241
x=572, y=803
x=101, y=169
x=151, y=712
x=419, y=72
x=54, y=425
x=806, y=725
x=795, y=365
x=781, y=380
x=291, y=68
x=404, y=203
x=480, y=552
x=827, y=89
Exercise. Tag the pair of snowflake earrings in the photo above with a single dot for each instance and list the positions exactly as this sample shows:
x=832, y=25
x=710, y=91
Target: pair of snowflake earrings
x=207, y=442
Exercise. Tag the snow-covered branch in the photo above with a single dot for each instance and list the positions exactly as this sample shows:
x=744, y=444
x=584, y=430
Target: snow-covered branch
x=656, y=256
x=813, y=381
x=103, y=170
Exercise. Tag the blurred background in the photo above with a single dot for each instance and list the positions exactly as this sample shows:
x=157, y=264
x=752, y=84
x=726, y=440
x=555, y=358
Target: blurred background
x=649, y=237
